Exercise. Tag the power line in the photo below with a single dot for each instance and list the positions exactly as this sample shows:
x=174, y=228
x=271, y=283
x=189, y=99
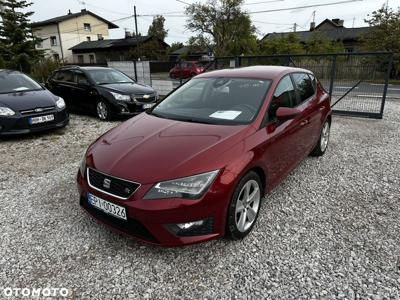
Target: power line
x=301, y=7
x=261, y=2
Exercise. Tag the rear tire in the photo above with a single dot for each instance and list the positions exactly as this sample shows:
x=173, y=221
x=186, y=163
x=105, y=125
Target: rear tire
x=103, y=110
x=323, y=141
x=244, y=206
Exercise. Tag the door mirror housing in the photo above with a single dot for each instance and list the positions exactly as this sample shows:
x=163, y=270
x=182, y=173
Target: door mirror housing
x=286, y=113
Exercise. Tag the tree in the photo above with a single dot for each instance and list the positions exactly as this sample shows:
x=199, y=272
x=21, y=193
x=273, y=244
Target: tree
x=224, y=23
x=157, y=28
x=319, y=43
x=288, y=44
x=384, y=34
x=17, y=43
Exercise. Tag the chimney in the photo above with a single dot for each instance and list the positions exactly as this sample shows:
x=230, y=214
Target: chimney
x=312, y=26
x=341, y=23
x=69, y=12
x=128, y=34
x=83, y=10
x=338, y=22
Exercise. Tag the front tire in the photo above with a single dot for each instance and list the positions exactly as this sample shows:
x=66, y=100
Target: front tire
x=103, y=110
x=244, y=206
x=323, y=141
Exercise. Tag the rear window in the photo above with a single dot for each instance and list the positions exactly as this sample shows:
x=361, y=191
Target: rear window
x=304, y=86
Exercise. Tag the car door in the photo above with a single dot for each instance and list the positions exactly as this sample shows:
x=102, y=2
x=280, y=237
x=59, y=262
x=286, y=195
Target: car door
x=83, y=96
x=310, y=114
x=64, y=82
x=279, y=151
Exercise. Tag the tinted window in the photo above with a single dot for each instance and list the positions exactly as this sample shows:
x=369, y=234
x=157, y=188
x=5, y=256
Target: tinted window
x=80, y=77
x=304, y=86
x=284, y=96
x=64, y=76
x=215, y=100
x=107, y=76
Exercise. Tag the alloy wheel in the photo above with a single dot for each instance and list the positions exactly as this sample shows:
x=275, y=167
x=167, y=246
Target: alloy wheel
x=325, y=136
x=102, y=110
x=247, y=205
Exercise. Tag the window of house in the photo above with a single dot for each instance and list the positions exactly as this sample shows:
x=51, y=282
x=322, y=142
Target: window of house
x=39, y=44
x=284, y=96
x=91, y=58
x=53, y=41
x=80, y=59
x=88, y=38
x=56, y=56
x=304, y=86
x=87, y=27
x=100, y=37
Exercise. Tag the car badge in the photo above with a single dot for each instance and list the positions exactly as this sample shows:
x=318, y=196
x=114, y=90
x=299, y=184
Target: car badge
x=38, y=110
x=146, y=96
x=107, y=183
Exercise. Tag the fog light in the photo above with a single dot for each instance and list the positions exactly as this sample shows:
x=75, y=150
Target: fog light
x=195, y=228
x=185, y=226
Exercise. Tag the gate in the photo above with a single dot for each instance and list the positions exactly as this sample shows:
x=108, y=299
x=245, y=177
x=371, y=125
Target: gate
x=357, y=82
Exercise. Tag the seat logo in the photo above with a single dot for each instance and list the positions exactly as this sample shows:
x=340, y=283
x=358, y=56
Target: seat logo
x=106, y=183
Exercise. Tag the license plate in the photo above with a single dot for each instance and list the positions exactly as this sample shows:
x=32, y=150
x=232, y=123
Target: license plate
x=148, y=105
x=107, y=207
x=41, y=119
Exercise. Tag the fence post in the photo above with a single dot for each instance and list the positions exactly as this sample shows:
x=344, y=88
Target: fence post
x=135, y=69
x=386, y=86
x=333, y=75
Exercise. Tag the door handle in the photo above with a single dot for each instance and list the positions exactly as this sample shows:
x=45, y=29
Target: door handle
x=322, y=108
x=304, y=122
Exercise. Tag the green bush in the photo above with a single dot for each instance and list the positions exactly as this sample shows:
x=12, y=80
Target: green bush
x=43, y=69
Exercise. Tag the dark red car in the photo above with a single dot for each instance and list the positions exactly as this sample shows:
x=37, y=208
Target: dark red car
x=197, y=165
x=185, y=70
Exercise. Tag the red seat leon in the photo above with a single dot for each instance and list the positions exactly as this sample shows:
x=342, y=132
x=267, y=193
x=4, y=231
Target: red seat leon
x=196, y=166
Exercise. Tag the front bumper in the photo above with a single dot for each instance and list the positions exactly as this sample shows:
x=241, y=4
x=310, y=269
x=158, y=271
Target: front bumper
x=129, y=108
x=19, y=125
x=151, y=221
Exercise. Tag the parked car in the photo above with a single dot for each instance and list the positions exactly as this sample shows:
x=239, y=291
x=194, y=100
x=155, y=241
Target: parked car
x=185, y=70
x=104, y=91
x=196, y=166
x=26, y=106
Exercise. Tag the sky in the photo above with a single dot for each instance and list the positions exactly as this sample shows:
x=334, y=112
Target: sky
x=278, y=21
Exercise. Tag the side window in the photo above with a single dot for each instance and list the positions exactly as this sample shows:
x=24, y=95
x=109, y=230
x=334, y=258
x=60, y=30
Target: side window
x=80, y=78
x=284, y=96
x=64, y=76
x=304, y=86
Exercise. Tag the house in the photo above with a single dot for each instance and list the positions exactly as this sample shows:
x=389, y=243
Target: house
x=102, y=51
x=61, y=33
x=333, y=29
x=189, y=53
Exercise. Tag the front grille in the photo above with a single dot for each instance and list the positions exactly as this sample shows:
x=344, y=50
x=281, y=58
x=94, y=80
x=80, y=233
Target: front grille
x=37, y=110
x=131, y=226
x=145, y=98
x=114, y=186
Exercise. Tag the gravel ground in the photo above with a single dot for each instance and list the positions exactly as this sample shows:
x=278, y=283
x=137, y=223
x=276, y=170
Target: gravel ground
x=331, y=230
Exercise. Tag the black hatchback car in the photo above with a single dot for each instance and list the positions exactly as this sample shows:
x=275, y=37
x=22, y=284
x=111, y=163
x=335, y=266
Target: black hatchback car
x=104, y=91
x=25, y=106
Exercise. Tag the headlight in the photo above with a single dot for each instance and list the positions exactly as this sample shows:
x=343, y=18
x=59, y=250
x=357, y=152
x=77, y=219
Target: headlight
x=121, y=97
x=5, y=111
x=192, y=187
x=60, y=103
x=82, y=166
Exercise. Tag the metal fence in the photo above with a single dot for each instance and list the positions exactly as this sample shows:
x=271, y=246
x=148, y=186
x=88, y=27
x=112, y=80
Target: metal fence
x=357, y=82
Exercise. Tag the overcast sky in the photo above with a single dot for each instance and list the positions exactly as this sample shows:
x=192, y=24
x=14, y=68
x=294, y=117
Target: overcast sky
x=265, y=22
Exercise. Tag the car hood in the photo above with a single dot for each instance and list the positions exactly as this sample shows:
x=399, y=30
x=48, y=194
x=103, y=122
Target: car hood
x=27, y=100
x=149, y=149
x=128, y=88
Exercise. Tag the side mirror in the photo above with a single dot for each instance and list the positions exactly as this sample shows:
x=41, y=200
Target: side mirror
x=286, y=113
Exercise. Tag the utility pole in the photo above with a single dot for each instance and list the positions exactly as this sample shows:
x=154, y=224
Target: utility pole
x=354, y=19
x=294, y=27
x=136, y=31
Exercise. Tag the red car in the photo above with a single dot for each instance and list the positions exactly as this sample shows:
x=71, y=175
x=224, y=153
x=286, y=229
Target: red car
x=185, y=70
x=197, y=165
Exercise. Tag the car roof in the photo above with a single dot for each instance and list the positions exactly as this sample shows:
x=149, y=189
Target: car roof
x=72, y=67
x=259, y=72
x=10, y=71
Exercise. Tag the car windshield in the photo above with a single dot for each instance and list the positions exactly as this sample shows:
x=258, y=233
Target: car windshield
x=17, y=82
x=228, y=101
x=107, y=76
